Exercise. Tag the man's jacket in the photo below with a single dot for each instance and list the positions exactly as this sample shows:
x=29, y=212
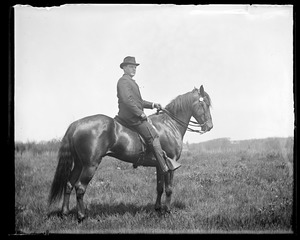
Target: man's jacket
x=131, y=104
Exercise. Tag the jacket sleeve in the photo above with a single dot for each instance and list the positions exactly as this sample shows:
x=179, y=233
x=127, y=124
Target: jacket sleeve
x=147, y=104
x=125, y=96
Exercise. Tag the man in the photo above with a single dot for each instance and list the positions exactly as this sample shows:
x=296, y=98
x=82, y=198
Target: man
x=131, y=110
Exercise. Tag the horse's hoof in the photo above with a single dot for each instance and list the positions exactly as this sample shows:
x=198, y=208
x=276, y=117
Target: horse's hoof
x=80, y=217
x=62, y=214
x=167, y=211
x=158, y=209
x=65, y=213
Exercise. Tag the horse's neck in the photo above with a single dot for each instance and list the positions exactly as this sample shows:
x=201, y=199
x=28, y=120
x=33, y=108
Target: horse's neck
x=183, y=116
x=180, y=107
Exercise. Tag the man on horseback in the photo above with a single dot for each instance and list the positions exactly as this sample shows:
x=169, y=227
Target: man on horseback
x=131, y=106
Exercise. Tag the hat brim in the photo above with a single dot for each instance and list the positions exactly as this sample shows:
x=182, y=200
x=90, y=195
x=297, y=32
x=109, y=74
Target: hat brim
x=124, y=64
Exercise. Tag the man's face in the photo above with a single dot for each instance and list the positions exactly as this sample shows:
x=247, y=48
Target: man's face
x=130, y=69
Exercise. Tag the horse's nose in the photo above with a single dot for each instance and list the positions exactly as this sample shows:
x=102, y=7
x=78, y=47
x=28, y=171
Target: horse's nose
x=209, y=126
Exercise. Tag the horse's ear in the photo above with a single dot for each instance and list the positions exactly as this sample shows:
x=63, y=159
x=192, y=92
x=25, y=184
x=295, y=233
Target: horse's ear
x=202, y=91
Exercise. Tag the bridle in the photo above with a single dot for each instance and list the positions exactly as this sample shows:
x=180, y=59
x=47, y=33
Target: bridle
x=183, y=124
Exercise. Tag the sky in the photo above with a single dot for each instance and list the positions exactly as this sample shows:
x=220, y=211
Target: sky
x=67, y=64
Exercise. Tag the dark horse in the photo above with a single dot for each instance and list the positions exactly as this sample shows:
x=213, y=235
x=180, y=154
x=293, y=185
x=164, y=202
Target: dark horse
x=91, y=138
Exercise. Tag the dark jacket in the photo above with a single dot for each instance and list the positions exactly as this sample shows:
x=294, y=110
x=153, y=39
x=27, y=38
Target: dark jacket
x=131, y=104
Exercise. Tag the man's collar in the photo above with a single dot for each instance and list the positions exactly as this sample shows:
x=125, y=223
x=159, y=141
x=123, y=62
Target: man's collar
x=127, y=76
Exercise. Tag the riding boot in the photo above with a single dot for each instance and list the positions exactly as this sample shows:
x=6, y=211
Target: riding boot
x=158, y=154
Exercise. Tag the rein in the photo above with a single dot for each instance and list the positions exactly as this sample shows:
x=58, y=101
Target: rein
x=183, y=124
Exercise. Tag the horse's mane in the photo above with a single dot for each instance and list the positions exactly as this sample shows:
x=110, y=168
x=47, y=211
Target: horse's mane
x=184, y=102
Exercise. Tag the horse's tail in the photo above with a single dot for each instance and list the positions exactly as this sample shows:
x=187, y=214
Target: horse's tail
x=63, y=170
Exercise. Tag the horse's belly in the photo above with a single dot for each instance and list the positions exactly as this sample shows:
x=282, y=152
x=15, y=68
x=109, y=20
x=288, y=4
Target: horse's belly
x=134, y=154
x=138, y=160
x=125, y=156
x=148, y=161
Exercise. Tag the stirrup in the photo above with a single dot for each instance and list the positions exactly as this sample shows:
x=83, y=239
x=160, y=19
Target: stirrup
x=172, y=165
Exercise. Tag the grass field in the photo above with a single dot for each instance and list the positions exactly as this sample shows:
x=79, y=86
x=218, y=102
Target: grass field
x=245, y=186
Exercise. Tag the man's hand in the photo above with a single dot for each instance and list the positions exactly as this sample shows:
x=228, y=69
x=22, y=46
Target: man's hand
x=157, y=106
x=143, y=117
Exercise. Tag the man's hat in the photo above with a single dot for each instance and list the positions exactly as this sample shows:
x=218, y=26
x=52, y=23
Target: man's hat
x=128, y=60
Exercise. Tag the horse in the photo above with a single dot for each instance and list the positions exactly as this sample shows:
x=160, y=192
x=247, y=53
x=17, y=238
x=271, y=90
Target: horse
x=89, y=139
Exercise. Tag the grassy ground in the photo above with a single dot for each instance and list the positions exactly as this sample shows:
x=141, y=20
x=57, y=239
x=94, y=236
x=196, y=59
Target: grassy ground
x=237, y=189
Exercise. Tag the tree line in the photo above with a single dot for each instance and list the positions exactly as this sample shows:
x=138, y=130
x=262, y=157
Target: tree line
x=37, y=148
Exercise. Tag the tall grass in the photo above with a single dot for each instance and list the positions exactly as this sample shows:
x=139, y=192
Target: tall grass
x=240, y=187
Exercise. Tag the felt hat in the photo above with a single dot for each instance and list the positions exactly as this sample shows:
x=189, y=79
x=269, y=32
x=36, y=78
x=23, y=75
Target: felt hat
x=128, y=60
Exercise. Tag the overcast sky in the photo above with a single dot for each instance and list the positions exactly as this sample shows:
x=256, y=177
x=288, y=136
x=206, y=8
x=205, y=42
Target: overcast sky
x=67, y=64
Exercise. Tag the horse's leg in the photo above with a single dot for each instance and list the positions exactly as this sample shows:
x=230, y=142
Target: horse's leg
x=169, y=186
x=159, y=188
x=69, y=186
x=87, y=174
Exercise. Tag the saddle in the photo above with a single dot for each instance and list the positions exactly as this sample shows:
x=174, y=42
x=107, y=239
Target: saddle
x=143, y=143
x=124, y=123
x=145, y=150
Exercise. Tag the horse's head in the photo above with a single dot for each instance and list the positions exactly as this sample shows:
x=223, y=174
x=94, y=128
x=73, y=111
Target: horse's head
x=201, y=109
